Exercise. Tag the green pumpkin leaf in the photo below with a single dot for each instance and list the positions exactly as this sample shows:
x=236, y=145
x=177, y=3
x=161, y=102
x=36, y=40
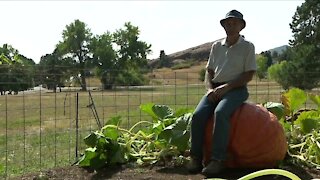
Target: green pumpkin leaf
x=308, y=121
x=181, y=140
x=119, y=155
x=162, y=111
x=166, y=134
x=98, y=161
x=275, y=108
x=147, y=108
x=92, y=139
x=114, y=121
x=308, y=124
x=159, y=144
x=177, y=134
x=285, y=124
x=157, y=127
x=102, y=143
x=182, y=111
x=157, y=112
x=293, y=100
x=89, y=154
x=315, y=99
x=111, y=131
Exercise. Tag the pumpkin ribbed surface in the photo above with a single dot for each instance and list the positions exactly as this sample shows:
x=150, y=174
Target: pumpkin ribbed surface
x=257, y=139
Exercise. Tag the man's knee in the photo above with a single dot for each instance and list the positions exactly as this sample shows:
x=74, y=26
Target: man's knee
x=198, y=116
x=221, y=111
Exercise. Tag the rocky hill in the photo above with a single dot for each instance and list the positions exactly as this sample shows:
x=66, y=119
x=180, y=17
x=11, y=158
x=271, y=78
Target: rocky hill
x=279, y=49
x=196, y=53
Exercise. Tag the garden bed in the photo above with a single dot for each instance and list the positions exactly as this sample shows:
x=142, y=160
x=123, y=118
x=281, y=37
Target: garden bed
x=157, y=172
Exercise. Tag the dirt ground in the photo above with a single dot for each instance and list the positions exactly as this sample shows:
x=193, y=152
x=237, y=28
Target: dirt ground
x=157, y=173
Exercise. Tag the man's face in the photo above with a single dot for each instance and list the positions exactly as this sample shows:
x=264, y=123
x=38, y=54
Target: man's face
x=233, y=26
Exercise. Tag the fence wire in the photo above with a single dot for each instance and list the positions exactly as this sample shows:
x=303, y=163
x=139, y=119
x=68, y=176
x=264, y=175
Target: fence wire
x=44, y=128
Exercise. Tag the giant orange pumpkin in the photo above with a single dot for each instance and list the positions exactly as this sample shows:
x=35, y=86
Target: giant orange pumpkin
x=257, y=139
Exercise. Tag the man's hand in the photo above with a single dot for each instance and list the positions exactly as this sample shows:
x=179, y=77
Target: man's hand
x=217, y=93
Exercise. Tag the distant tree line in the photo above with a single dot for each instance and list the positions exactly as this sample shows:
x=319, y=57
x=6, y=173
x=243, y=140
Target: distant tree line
x=119, y=58
x=299, y=65
x=16, y=71
x=114, y=58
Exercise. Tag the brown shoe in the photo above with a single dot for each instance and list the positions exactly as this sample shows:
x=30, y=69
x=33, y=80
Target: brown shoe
x=194, y=166
x=213, y=168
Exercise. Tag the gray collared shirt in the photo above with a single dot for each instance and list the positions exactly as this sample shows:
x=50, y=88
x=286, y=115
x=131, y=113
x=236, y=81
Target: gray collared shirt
x=228, y=63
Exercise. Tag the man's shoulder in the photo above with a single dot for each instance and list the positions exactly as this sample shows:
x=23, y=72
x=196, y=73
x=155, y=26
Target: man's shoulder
x=246, y=42
x=218, y=42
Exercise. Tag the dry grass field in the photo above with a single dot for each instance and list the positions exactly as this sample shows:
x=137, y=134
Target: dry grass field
x=40, y=129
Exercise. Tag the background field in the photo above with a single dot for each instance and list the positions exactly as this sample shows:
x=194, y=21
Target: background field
x=40, y=129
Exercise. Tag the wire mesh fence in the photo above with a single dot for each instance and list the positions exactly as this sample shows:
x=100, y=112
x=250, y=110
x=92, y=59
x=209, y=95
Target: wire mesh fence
x=43, y=128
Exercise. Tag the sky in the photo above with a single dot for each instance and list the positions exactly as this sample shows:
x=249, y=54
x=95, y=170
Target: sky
x=34, y=28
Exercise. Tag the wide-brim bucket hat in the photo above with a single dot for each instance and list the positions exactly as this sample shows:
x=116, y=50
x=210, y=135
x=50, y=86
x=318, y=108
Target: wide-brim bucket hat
x=234, y=14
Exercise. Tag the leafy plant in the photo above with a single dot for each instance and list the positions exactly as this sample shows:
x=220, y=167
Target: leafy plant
x=302, y=126
x=262, y=66
x=293, y=100
x=275, y=108
x=166, y=136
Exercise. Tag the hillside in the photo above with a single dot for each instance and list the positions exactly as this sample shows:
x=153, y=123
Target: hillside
x=199, y=53
x=279, y=49
x=196, y=53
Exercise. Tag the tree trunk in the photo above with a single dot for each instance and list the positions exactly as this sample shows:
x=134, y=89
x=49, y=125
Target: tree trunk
x=83, y=83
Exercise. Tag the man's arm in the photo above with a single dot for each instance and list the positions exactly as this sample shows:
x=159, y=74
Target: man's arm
x=217, y=93
x=208, y=78
x=242, y=80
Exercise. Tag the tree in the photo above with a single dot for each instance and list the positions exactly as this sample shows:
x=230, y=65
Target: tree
x=262, y=66
x=5, y=63
x=279, y=72
x=164, y=60
x=104, y=58
x=54, y=70
x=132, y=52
x=76, y=41
x=267, y=54
x=306, y=68
x=16, y=70
x=275, y=55
x=306, y=43
x=202, y=74
x=305, y=24
x=302, y=66
x=131, y=55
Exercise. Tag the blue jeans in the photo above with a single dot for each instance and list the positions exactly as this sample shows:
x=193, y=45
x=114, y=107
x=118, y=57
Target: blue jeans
x=222, y=110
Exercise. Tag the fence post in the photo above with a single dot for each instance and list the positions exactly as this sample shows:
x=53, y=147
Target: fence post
x=77, y=125
x=6, y=109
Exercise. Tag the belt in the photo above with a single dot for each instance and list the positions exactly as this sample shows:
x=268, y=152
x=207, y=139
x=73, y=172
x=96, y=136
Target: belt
x=216, y=84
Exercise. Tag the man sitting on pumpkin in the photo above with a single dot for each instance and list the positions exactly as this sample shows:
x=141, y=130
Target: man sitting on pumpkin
x=231, y=65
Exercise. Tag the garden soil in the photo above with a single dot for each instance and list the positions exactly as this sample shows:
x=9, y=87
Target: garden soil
x=157, y=173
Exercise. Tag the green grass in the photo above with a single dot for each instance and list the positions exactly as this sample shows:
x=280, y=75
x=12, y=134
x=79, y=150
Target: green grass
x=32, y=152
x=38, y=130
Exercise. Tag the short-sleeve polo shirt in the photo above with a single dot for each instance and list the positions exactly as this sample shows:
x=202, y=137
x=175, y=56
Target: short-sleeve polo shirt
x=228, y=63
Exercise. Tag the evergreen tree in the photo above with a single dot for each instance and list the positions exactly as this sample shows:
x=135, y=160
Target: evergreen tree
x=306, y=44
x=302, y=67
x=164, y=60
